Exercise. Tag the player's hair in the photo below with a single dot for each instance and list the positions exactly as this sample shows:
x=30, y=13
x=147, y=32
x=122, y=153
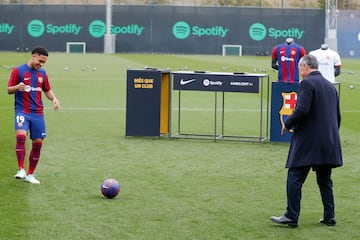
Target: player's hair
x=310, y=61
x=40, y=50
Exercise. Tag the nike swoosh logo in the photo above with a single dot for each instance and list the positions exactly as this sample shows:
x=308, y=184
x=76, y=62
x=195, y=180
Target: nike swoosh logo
x=106, y=187
x=27, y=79
x=184, y=82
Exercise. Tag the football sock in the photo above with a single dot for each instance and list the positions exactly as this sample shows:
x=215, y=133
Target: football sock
x=34, y=156
x=20, y=149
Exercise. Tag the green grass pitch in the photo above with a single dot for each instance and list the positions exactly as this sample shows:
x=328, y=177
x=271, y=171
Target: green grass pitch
x=170, y=188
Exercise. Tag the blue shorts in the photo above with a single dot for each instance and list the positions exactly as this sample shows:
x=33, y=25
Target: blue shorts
x=33, y=122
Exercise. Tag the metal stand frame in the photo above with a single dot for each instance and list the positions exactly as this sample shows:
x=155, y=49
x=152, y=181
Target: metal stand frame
x=221, y=136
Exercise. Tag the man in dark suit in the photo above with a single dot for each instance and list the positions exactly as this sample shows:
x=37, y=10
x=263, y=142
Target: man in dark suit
x=315, y=143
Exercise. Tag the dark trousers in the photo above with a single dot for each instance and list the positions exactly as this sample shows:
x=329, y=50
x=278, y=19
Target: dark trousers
x=295, y=180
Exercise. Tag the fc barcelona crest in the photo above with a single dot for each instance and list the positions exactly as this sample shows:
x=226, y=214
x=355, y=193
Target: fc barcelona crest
x=289, y=103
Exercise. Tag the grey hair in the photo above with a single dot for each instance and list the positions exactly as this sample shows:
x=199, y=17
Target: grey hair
x=310, y=61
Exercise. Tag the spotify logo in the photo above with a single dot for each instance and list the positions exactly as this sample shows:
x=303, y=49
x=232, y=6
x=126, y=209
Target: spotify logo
x=257, y=31
x=181, y=30
x=36, y=28
x=97, y=28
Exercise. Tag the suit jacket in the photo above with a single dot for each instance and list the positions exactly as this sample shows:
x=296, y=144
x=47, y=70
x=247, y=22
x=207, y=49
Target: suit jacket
x=316, y=122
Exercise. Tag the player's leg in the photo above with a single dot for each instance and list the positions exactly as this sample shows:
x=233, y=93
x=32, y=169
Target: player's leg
x=21, y=125
x=37, y=133
x=34, y=155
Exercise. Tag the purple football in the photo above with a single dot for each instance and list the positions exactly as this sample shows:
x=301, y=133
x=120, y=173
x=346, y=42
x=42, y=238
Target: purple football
x=110, y=188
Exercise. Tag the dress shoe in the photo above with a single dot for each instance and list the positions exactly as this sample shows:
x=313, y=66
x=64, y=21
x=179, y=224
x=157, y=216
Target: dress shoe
x=329, y=222
x=282, y=220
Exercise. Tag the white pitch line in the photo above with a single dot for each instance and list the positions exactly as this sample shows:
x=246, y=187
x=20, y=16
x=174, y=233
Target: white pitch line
x=174, y=109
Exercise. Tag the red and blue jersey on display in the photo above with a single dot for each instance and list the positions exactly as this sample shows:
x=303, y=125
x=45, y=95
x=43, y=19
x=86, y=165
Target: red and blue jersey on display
x=36, y=81
x=288, y=57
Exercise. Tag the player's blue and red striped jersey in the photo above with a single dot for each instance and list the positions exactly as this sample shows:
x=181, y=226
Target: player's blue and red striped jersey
x=288, y=56
x=36, y=81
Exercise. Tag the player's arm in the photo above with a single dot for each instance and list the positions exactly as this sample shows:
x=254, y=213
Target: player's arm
x=17, y=87
x=274, y=59
x=337, y=64
x=302, y=52
x=337, y=70
x=51, y=96
x=303, y=104
x=274, y=64
x=14, y=84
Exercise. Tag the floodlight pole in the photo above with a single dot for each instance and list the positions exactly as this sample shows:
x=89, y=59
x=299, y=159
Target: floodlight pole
x=109, y=39
x=331, y=12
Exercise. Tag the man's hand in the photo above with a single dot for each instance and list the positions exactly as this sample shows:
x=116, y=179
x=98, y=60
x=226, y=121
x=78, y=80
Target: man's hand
x=283, y=129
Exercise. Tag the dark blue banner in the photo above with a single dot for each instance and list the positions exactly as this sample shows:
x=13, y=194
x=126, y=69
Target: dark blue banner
x=143, y=103
x=217, y=81
x=160, y=29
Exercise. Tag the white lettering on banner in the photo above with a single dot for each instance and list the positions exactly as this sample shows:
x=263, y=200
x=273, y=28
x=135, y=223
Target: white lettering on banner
x=242, y=84
x=184, y=82
x=207, y=83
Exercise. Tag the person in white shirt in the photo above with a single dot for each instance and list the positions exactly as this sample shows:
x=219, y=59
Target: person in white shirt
x=329, y=62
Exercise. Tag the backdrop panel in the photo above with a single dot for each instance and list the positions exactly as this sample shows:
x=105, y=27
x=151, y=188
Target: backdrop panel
x=161, y=29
